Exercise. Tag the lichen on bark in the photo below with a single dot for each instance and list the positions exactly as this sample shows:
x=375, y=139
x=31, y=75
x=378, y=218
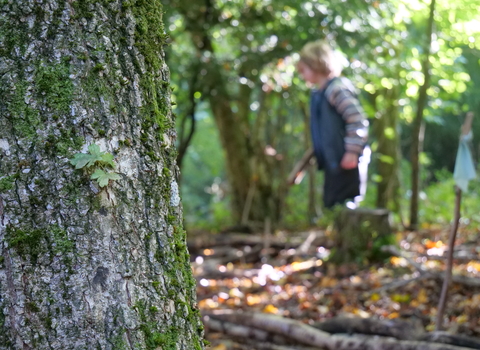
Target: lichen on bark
x=84, y=267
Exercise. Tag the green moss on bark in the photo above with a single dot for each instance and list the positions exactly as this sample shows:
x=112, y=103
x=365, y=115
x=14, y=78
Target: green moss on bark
x=25, y=120
x=31, y=243
x=154, y=338
x=54, y=84
x=7, y=183
x=26, y=242
x=13, y=35
x=150, y=38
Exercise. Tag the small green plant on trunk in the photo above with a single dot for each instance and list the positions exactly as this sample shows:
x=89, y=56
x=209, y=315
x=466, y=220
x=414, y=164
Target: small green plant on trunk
x=97, y=163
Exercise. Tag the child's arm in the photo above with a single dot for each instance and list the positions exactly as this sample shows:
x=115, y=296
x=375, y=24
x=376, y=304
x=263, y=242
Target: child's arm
x=344, y=100
x=349, y=160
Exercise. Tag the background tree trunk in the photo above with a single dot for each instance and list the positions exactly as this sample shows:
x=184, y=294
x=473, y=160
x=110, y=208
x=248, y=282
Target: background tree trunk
x=418, y=123
x=249, y=172
x=186, y=133
x=385, y=129
x=81, y=266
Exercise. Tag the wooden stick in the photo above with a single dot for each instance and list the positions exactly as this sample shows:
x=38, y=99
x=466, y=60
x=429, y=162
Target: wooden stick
x=448, y=269
x=248, y=203
x=466, y=127
x=296, y=175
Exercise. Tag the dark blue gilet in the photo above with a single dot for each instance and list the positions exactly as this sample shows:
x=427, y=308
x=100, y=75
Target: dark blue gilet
x=328, y=131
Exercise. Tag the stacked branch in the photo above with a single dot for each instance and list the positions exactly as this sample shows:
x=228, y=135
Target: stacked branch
x=271, y=329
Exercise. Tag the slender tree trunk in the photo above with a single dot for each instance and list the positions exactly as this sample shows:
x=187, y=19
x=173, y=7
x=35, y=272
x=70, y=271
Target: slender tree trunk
x=417, y=138
x=84, y=266
x=386, y=131
x=185, y=136
x=449, y=266
x=312, y=213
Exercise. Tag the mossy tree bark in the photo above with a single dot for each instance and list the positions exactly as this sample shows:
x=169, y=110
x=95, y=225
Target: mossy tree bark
x=84, y=266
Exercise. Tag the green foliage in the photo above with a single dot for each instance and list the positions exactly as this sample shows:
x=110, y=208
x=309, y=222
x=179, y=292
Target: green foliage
x=296, y=206
x=98, y=159
x=381, y=43
x=103, y=178
x=203, y=169
x=329, y=216
x=439, y=202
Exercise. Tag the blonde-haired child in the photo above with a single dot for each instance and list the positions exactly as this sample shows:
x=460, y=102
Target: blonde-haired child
x=338, y=124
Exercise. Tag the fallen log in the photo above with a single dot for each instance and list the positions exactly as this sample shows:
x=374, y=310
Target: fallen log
x=214, y=240
x=258, y=339
x=396, y=252
x=455, y=339
x=253, y=344
x=308, y=335
x=233, y=239
x=396, y=328
x=246, y=254
x=403, y=329
x=240, y=331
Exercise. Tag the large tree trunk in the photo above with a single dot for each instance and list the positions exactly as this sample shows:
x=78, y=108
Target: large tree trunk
x=84, y=266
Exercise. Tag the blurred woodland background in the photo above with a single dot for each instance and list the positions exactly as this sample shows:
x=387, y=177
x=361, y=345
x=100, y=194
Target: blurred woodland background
x=242, y=110
x=242, y=121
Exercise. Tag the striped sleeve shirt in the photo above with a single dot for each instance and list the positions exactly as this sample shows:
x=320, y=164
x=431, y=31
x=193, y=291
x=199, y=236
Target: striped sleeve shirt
x=341, y=95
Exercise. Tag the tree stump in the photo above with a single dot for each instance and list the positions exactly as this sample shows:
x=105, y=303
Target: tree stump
x=360, y=233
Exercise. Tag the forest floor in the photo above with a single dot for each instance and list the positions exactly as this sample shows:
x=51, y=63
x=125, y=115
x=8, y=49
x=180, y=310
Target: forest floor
x=288, y=274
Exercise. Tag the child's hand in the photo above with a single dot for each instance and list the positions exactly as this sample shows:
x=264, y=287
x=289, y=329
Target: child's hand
x=349, y=161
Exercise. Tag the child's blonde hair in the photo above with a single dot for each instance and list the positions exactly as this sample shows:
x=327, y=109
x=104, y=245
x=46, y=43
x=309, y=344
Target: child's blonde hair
x=319, y=56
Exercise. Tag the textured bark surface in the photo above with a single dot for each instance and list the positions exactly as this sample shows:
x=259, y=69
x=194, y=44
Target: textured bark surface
x=85, y=267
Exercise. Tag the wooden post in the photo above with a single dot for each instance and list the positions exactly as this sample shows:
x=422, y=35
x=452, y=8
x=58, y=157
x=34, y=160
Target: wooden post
x=467, y=125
